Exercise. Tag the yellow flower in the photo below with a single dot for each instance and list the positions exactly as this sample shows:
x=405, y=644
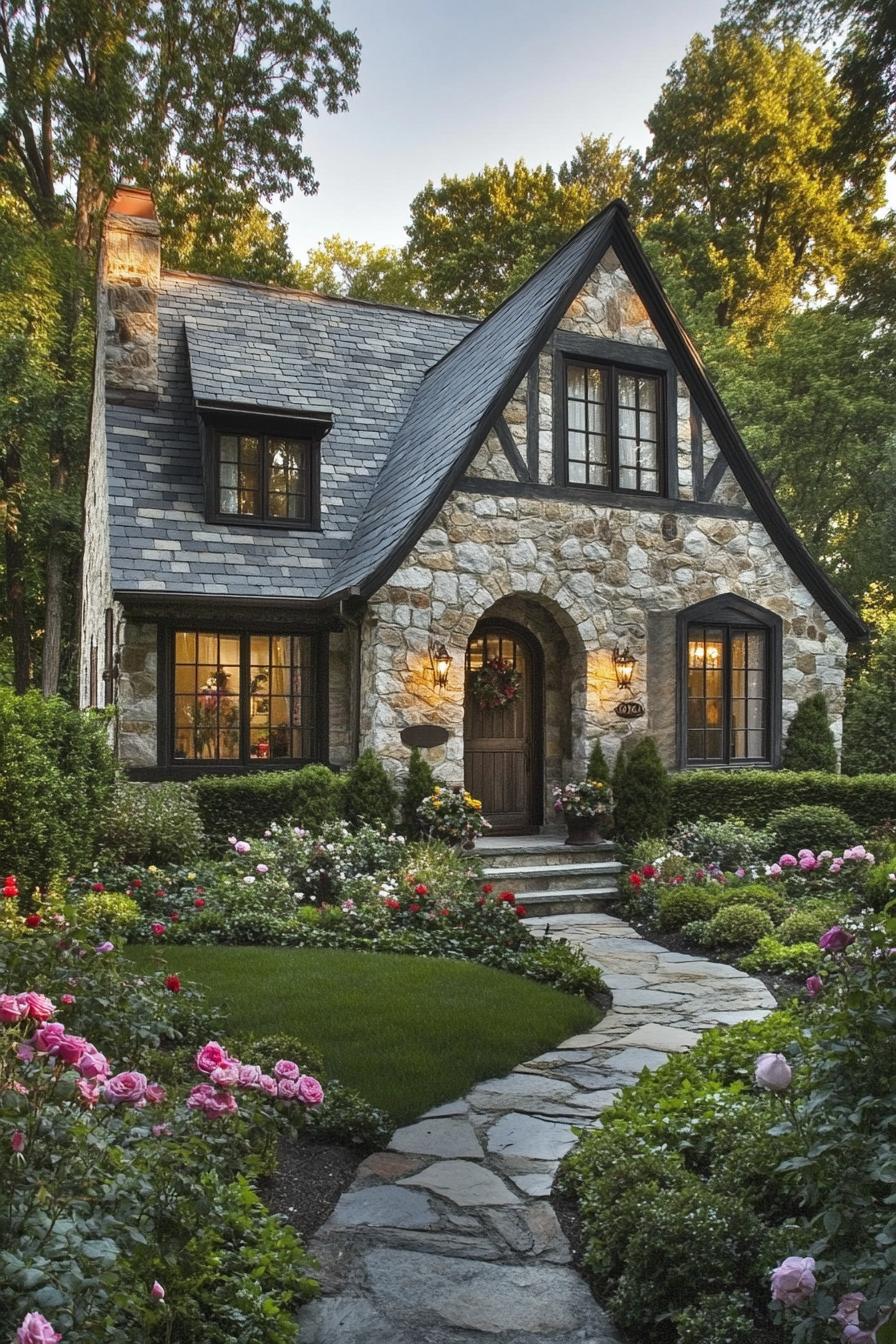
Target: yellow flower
x=152, y=868
x=191, y=877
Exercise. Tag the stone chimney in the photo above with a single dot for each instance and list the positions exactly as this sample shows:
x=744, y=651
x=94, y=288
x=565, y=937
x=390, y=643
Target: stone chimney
x=129, y=294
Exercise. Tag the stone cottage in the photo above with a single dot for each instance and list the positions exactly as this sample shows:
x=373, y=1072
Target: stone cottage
x=316, y=525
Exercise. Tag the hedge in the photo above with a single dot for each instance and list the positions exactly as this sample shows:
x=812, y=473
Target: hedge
x=245, y=805
x=754, y=795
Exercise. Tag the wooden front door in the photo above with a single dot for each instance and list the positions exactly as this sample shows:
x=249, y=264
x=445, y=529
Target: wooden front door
x=499, y=744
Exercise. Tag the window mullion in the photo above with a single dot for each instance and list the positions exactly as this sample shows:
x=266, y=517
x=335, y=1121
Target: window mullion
x=726, y=696
x=612, y=427
x=244, y=699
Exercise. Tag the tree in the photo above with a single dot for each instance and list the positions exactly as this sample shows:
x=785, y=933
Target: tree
x=598, y=770
x=750, y=180
x=248, y=241
x=418, y=784
x=642, y=794
x=810, y=743
x=203, y=100
x=869, y=722
x=359, y=271
x=605, y=170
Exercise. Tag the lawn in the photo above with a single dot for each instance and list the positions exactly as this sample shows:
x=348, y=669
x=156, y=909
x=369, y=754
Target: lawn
x=407, y=1032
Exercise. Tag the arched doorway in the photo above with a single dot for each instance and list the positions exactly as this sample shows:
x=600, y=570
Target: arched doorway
x=503, y=746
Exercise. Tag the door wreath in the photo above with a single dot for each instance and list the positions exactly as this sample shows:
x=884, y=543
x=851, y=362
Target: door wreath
x=495, y=684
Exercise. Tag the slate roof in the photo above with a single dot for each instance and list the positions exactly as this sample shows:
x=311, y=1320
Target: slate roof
x=412, y=395
x=223, y=341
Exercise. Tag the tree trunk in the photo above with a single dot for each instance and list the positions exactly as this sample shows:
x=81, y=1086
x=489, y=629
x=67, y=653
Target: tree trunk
x=56, y=560
x=14, y=559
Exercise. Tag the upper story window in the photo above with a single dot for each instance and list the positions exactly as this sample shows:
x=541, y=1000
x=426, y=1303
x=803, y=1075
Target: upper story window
x=614, y=427
x=265, y=477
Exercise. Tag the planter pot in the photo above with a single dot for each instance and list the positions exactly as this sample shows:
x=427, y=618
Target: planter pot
x=583, y=830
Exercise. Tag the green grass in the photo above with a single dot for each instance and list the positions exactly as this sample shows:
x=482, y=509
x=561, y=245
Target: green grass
x=407, y=1032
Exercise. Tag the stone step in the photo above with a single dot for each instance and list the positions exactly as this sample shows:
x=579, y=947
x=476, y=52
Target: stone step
x=581, y=900
x=540, y=851
x=570, y=876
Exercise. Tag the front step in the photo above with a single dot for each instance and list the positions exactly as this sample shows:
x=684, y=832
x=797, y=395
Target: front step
x=558, y=902
x=541, y=850
x=571, y=876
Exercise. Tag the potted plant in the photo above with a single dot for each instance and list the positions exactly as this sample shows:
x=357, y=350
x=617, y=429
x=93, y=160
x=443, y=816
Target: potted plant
x=452, y=815
x=584, y=806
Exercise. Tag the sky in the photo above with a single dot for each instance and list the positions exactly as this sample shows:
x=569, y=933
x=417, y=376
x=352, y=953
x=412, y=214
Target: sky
x=449, y=85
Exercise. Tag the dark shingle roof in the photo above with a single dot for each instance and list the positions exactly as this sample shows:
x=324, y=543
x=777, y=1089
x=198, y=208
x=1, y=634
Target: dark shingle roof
x=222, y=341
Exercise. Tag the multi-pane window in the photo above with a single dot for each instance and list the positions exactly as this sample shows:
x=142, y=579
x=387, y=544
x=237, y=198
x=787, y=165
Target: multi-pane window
x=727, y=694
x=264, y=476
x=243, y=697
x=613, y=428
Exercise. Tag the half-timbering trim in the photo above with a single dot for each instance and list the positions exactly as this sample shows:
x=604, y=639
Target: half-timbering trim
x=511, y=452
x=586, y=494
x=532, y=422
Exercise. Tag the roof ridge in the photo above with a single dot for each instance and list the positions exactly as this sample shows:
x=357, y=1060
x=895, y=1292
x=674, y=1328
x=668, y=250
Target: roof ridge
x=316, y=295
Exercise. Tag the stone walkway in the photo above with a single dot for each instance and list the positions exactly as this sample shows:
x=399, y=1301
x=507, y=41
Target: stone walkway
x=450, y=1237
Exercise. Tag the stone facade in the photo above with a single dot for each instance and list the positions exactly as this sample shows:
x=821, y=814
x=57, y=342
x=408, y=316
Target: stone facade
x=582, y=577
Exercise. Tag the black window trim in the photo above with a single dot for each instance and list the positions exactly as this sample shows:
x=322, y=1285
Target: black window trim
x=302, y=429
x=737, y=614
x=173, y=766
x=617, y=356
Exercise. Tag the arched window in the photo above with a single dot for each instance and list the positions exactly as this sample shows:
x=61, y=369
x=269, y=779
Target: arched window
x=729, y=684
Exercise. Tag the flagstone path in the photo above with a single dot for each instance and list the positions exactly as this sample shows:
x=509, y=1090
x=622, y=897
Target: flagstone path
x=449, y=1237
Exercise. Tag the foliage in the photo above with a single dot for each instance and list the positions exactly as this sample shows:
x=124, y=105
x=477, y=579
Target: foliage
x=750, y=181
x=808, y=922
x=248, y=804
x=641, y=796
x=738, y=925
x=585, y=800
x=369, y=794
x=552, y=961
x=110, y=913
x=151, y=823
x=419, y=783
x=355, y=270
x=597, y=764
x=452, y=815
x=680, y=905
x=869, y=721
x=810, y=824
x=56, y=773
x=773, y=901
x=729, y=844
x=348, y=1118
x=809, y=744
x=753, y=795
x=779, y=956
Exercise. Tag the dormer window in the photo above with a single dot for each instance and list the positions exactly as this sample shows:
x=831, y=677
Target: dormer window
x=614, y=427
x=265, y=477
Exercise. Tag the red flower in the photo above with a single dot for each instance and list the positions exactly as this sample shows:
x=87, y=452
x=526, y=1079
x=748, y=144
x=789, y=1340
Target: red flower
x=487, y=888
x=161, y=893
x=32, y=921
x=480, y=900
x=10, y=890
x=97, y=886
x=414, y=908
x=392, y=903
x=507, y=897
x=634, y=880
x=172, y=982
x=648, y=870
x=444, y=911
x=175, y=917
x=199, y=903
x=521, y=912
x=136, y=883
x=158, y=929
x=421, y=889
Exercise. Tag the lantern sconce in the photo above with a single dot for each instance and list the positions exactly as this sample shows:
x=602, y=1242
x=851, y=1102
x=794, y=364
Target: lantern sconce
x=624, y=664
x=440, y=661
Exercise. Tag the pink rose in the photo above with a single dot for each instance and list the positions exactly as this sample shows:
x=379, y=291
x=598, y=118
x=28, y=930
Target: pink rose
x=11, y=1008
x=808, y=862
x=250, y=1076
x=105, y=947
x=17, y=1141
x=25, y=1052
x=211, y=1057
x=740, y=872
x=67, y=999
x=126, y=1089
x=158, y=928
x=36, y=1329
x=37, y=1006
x=857, y=852
x=787, y=861
x=805, y=854
x=226, y=1075
x=160, y=1131
x=93, y=1064
x=288, y=1089
x=814, y=986
x=836, y=866
x=286, y=1068
x=157, y=1291
x=87, y=1091
x=825, y=854
x=268, y=1085
x=775, y=870
x=47, y=1037
x=155, y=1094
x=310, y=1090
x=793, y=1281
x=773, y=1072
x=199, y=1096
x=847, y=1312
x=261, y=868
x=242, y=847
x=836, y=939
x=221, y=1103
x=69, y=1049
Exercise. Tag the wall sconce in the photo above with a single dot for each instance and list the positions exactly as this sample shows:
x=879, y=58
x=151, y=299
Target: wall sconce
x=624, y=663
x=440, y=661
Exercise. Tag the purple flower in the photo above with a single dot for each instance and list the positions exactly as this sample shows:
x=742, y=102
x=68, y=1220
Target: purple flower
x=814, y=986
x=157, y=1291
x=836, y=939
x=787, y=861
x=793, y=1281
x=773, y=1072
x=105, y=947
x=241, y=846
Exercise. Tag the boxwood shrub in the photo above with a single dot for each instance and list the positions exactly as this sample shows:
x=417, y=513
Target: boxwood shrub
x=753, y=795
x=245, y=805
x=812, y=826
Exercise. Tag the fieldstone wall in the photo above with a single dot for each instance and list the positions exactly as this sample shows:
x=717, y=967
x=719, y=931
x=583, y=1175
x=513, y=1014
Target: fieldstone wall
x=130, y=324
x=138, y=710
